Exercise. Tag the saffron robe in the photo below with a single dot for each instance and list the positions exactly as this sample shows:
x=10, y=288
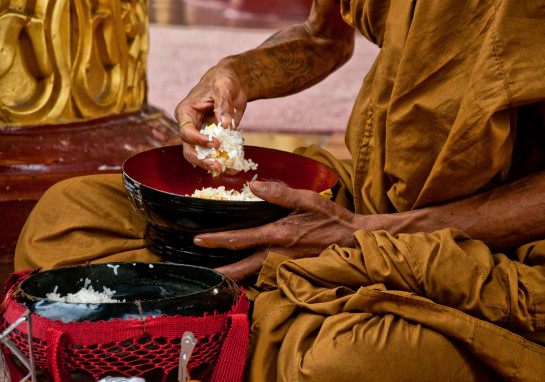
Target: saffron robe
x=452, y=106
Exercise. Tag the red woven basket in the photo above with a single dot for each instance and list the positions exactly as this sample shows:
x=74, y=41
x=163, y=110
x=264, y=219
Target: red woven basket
x=131, y=348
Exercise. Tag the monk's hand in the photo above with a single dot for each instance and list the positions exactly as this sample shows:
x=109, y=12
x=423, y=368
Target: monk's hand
x=314, y=224
x=217, y=98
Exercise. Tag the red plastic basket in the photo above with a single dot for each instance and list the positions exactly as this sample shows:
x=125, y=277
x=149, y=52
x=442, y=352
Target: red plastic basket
x=130, y=348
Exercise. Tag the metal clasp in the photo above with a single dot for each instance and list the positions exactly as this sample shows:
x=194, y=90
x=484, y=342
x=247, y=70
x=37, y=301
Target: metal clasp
x=188, y=344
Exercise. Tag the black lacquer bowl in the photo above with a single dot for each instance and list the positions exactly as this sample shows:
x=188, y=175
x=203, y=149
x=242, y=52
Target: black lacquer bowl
x=159, y=180
x=149, y=290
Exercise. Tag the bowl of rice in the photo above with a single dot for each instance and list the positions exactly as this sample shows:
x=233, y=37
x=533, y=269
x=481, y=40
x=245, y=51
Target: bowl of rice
x=126, y=290
x=180, y=201
x=124, y=319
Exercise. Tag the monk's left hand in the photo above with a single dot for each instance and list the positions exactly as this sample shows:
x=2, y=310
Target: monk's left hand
x=314, y=224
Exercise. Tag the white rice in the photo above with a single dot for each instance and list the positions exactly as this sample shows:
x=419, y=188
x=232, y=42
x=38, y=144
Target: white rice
x=221, y=193
x=114, y=267
x=86, y=295
x=231, y=151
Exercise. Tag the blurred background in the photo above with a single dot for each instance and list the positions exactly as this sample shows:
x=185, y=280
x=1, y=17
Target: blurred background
x=187, y=37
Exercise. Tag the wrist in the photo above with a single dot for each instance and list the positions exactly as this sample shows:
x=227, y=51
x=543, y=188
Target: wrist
x=393, y=223
x=236, y=69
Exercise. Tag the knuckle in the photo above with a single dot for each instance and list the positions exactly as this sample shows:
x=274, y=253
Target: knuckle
x=278, y=191
x=234, y=243
x=281, y=236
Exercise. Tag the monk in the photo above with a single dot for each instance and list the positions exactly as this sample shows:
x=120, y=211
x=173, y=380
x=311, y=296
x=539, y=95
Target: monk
x=429, y=265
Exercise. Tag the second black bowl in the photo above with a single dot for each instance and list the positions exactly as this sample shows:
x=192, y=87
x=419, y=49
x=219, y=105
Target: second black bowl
x=144, y=289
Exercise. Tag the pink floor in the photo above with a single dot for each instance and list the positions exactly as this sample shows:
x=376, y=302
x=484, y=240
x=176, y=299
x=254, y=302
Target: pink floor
x=180, y=54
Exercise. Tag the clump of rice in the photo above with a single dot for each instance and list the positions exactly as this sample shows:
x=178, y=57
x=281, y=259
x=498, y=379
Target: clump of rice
x=221, y=193
x=231, y=151
x=86, y=295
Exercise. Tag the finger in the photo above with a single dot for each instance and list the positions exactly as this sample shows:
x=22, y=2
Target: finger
x=246, y=267
x=191, y=117
x=191, y=135
x=284, y=196
x=231, y=171
x=225, y=113
x=182, y=115
x=190, y=154
x=238, y=239
x=192, y=108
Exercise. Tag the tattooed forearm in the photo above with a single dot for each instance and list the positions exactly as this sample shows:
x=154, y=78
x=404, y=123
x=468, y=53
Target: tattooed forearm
x=297, y=57
x=282, y=69
x=285, y=64
x=279, y=36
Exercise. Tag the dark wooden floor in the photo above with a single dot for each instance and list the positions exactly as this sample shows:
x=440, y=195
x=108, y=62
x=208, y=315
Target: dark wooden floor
x=5, y=270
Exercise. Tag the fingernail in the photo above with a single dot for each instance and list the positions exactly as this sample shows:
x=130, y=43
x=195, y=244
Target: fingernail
x=259, y=186
x=198, y=241
x=224, y=120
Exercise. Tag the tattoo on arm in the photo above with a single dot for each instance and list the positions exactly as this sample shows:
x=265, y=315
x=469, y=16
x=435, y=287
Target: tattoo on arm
x=296, y=57
x=283, y=65
x=279, y=36
x=283, y=72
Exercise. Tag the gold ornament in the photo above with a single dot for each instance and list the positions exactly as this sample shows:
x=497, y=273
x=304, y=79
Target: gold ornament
x=65, y=61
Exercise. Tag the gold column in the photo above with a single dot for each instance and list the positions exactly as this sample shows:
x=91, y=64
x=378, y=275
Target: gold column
x=73, y=91
x=62, y=61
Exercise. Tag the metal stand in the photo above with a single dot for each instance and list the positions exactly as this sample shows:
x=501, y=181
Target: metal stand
x=28, y=362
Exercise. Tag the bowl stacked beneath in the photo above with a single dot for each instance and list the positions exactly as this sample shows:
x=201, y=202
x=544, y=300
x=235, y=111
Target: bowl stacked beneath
x=159, y=181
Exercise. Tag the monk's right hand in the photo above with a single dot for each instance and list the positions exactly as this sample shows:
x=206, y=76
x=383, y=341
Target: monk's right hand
x=217, y=98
